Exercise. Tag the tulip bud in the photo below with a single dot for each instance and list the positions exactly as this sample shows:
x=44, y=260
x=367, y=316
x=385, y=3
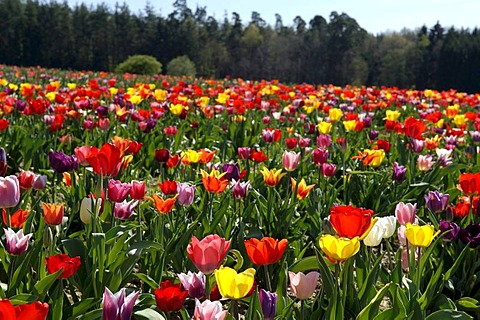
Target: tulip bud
x=89, y=207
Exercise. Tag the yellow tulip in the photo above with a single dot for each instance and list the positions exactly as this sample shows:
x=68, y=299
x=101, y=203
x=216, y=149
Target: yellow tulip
x=350, y=125
x=324, y=127
x=191, y=156
x=420, y=236
x=459, y=120
x=335, y=114
x=233, y=285
x=337, y=248
x=176, y=109
x=392, y=115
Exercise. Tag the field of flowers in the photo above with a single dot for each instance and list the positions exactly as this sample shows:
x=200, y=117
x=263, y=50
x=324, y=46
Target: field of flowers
x=178, y=198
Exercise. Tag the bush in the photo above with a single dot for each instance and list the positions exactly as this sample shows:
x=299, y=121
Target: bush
x=140, y=64
x=181, y=66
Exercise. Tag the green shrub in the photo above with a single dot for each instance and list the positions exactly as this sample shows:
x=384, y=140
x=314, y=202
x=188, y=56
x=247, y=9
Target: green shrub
x=181, y=66
x=140, y=64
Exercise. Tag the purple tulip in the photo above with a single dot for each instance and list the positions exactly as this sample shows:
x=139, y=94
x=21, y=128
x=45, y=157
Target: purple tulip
x=320, y=156
x=40, y=182
x=243, y=152
x=232, y=171
x=373, y=134
x=452, y=227
x=268, y=301
x=194, y=283
x=399, y=172
x=60, y=162
x=417, y=145
x=124, y=210
x=16, y=243
x=186, y=194
x=3, y=162
x=436, y=201
x=240, y=189
x=471, y=235
x=328, y=170
x=9, y=191
x=117, y=190
x=118, y=306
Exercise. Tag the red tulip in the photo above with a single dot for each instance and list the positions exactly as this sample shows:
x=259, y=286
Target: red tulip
x=208, y=253
x=469, y=183
x=63, y=261
x=265, y=251
x=350, y=222
x=413, y=128
x=106, y=161
x=31, y=311
x=168, y=187
x=170, y=297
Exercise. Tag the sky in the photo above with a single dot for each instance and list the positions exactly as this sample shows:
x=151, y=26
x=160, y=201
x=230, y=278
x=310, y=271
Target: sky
x=375, y=16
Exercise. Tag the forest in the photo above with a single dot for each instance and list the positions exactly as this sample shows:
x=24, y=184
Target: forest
x=336, y=50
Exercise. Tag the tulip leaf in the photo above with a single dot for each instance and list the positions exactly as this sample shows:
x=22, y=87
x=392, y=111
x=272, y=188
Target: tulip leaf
x=42, y=286
x=448, y=315
x=148, y=314
x=372, y=308
x=368, y=287
x=468, y=303
x=306, y=264
x=428, y=295
x=147, y=279
x=456, y=264
x=146, y=245
x=82, y=306
x=114, y=252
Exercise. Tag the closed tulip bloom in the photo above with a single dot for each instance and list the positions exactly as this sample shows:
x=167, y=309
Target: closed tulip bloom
x=420, y=236
x=163, y=206
x=208, y=254
x=9, y=192
x=469, y=183
x=162, y=155
x=124, y=210
x=324, y=141
x=16, y=242
x=31, y=311
x=61, y=162
x=232, y=171
x=240, y=189
x=375, y=236
x=320, y=156
x=272, y=177
x=25, y=179
x=452, y=228
x=389, y=223
x=328, y=170
x=244, y=152
x=40, y=182
x=88, y=208
x=194, y=283
x=471, y=235
x=290, y=160
x=138, y=189
x=339, y=249
x=53, y=213
x=117, y=191
x=350, y=222
x=303, y=286
x=186, y=194
x=63, y=261
x=425, y=162
x=399, y=172
x=436, y=201
x=209, y=310
x=266, y=250
x=106, y=161
x=17, y=219
x=405, y=212
x=233, y=285
x=170, y=297
x=118, y=306
x=268, y=302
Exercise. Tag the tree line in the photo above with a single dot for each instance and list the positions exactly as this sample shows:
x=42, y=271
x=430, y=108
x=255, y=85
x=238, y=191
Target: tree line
x=337, y=50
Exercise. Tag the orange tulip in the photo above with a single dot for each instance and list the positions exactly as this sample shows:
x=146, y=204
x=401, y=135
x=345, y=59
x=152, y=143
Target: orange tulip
x=272, y=177
x=53, y=213
x=214, y=181
x=303, y=190
x=265, y=251
x=162, y=206
x=206, y=155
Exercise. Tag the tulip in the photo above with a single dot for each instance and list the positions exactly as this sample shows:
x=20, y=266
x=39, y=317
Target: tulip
x=304, y=142
x=3, y=162
x=319, y=156
x=214, y=181
x=335, y=114
x=452, y=228
x=436, y=201
x=208, y=253
x=375, y=235
x=425, y=163
x=209, y=310
x=25, y=179
x=266, y=250
x=118, y=306
x=471, y=235
x=350, y=222
x=302, y=190
x=170, y=297
x=324, y=141
x=258, y=156
x=138, y=189
x=405, y=212
x=168, y=187
x=399, y=172
x=117, y=191
x=162, y=155
x=324, y=128
x=61, y=162
x=17, y=219
x=328, y=170
x=244, y=152
x=414, y=128
x=124, y=210
x=268, y=302
x=9, y=191
x=105, y=161
x=271, y=135
x=88, y=208
x=82, y=153
x=190, y=156
x=232, y=171
x=420, y=236
x=53, y=213
x=240, y=189
x=233, y=285
x=469, y=183
x=303, y=285
x=186, y=194
x=290, y=160
x=40, y=182
x=194, y=283
x=339, y=249
x=62, y=261
x=31, y=311
x=16, y=243
x=272, y=177
x=163, y=206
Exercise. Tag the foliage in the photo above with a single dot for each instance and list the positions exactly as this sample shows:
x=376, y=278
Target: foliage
x=140, y=64
x=181, y=66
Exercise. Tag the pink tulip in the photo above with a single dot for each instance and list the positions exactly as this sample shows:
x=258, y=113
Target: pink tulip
x=290, y=160
x=137, y=192
x=303, y=285
x=82, y=153
x=16, y=243
x=209, y=310
x=9, y=192
x=208, y=254
x=40, y=182
x=405, y=212
x=117, y=190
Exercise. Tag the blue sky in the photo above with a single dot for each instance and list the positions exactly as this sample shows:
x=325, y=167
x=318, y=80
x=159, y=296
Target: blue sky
x=373, y=15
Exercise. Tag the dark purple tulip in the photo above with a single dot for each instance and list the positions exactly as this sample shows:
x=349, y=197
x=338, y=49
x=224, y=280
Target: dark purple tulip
x=61, y=163
x=232, y=170
x=320, y=156
x=162, y=155
x=399, y=172
x=268, y=301
x=436, y=201
x=20, y=105
x=150, y=125
x=118, y=306
x=3, y=162
x=471, y=235
x=102, y=111
x=373, y=134
x=452, y=227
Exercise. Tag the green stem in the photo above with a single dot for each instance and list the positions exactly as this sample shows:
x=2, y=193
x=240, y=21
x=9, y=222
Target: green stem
x=302, y=308
x=234, y=309
x=267, y=278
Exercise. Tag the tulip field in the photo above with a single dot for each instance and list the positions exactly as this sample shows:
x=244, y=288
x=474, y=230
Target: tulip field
x=158, y=197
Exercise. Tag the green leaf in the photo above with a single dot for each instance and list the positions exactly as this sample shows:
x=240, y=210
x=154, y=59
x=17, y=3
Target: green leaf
x=469, y=303
x=372, y=309
x=148, y=314
x=83, y=306
x=147, y=279
x=448, y=315
x=306, y=264
x=42, y=286
x=146, y=245
x=369, y=283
